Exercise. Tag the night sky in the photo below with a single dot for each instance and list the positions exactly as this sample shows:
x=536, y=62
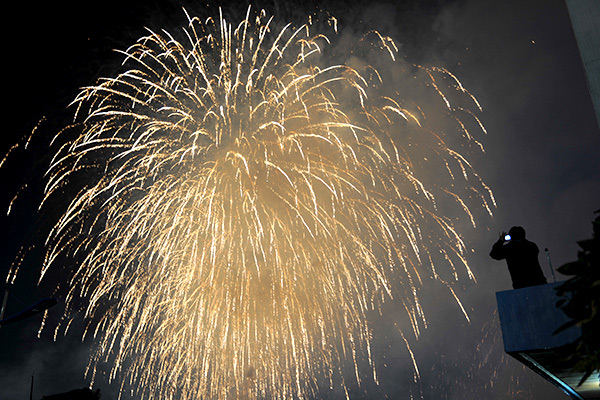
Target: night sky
x=519, y=58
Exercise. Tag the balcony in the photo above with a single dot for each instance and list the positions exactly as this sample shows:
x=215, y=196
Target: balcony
x=529, y=317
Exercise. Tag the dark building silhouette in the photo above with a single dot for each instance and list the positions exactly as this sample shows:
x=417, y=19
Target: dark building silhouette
x=77, y=394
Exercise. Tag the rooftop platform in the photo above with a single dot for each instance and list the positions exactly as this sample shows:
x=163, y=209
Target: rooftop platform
x=529, y=317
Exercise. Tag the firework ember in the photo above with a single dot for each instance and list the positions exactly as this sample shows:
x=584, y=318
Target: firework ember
x=242, y=204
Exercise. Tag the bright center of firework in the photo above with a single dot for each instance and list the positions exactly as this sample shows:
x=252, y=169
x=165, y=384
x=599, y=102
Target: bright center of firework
x=246, y=204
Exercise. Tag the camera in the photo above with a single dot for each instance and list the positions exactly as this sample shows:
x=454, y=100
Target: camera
x=507, y=238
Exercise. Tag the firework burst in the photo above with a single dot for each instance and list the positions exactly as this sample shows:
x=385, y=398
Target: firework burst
x=246, y=204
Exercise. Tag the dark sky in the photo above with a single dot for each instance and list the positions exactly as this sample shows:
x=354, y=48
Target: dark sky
x=519, y=58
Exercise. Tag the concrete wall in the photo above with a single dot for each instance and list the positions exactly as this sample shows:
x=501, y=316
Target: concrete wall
x=529, y=317
x=585, y=18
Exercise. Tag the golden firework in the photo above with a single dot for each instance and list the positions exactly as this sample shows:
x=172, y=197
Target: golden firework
x=246, y=204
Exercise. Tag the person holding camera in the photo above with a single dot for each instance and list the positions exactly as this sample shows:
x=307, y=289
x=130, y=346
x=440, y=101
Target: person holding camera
x=521, y=255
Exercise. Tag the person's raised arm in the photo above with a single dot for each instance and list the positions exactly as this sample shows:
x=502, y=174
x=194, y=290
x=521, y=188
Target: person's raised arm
x=497, y=252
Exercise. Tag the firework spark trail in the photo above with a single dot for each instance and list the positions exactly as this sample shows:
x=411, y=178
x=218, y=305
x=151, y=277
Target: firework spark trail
x=245, y=206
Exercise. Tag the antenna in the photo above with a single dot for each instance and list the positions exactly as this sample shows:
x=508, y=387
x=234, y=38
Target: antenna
x=31, y=390
x=6, y=292
x=550, y=263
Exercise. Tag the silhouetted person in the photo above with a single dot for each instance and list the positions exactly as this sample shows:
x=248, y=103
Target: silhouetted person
x=521, y=256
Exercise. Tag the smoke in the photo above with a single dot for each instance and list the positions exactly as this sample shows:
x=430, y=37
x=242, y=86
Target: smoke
x=56, y=367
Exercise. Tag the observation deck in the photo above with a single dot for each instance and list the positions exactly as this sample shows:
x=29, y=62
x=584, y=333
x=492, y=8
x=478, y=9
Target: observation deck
x=528, y=318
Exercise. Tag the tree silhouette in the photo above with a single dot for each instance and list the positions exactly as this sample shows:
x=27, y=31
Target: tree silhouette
x=581, y=302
